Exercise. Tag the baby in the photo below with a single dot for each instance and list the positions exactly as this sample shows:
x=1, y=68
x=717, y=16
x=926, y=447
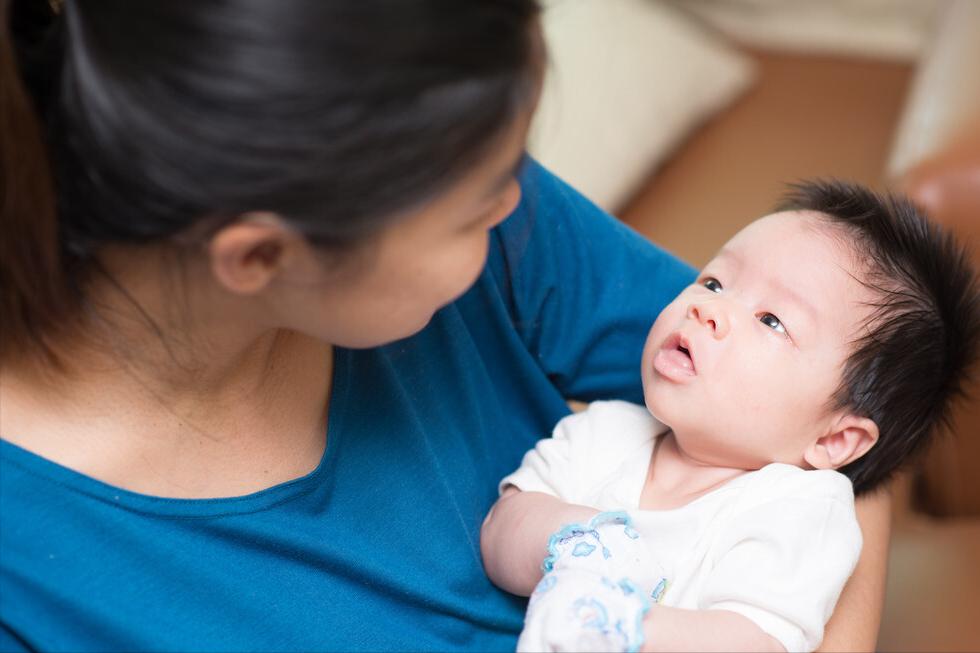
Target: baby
x=815, y=353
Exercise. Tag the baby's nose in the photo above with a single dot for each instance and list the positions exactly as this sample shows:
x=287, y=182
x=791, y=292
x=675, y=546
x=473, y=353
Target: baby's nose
x=712, y=315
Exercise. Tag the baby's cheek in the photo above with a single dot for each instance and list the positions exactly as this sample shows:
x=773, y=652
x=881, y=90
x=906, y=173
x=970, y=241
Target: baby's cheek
x=668, y=320
x=655, y=336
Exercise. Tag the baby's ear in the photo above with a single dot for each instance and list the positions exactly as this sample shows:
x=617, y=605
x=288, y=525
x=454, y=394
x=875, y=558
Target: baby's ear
x=848, y=439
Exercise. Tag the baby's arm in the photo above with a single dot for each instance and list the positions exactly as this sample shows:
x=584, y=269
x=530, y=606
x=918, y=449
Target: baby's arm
x=536, y=499
x=677, y=629
x=776, y=569
x=514, y=537
x=514, y=542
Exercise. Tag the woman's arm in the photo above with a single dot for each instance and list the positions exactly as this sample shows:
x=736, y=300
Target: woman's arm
x=514, y=537
x=854, y=624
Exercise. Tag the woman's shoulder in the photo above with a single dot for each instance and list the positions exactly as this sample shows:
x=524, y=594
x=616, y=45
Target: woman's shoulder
x=549, y=204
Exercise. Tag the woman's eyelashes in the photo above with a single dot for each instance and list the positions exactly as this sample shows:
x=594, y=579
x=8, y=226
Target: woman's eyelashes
x=766, y=318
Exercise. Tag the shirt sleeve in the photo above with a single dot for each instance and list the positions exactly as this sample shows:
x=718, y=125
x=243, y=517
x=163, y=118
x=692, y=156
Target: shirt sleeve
x=553, y=465
x=783, y=563
x=584, y=449
x=584, y=289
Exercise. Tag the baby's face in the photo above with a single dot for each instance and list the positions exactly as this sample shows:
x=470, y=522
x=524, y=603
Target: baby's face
x=743, y=363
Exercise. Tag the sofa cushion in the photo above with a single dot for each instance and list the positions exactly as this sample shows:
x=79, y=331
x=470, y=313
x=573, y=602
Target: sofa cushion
x=627, y=80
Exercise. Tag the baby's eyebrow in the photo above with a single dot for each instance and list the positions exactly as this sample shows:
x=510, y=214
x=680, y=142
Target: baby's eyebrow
x=796, y=298
x=777, y=286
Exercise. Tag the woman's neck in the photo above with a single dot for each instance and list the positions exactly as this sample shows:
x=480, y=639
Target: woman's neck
x=188, y=394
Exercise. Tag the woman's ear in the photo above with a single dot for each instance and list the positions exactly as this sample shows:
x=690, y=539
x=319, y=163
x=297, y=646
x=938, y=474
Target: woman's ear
x=849, y=438
x=246, y=256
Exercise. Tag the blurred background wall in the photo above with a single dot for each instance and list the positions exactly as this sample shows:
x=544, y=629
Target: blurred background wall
x=686, y=119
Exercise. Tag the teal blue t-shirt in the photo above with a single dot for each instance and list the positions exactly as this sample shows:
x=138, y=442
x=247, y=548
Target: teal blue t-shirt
x=378, y=548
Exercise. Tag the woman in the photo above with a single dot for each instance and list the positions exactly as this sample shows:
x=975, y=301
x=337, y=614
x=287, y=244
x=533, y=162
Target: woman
x=260, y=374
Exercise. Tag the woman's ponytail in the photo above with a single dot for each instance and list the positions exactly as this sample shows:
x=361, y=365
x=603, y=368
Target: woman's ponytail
x=34, y=298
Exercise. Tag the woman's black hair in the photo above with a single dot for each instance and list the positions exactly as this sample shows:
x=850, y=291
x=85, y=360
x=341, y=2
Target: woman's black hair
x=923, y=332
x=335, y=114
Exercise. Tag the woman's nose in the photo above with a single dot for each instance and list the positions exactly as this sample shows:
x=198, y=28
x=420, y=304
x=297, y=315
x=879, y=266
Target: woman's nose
x=712, y=315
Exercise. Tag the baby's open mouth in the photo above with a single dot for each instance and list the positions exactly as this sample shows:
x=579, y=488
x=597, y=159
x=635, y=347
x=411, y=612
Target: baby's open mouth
x=676, y=352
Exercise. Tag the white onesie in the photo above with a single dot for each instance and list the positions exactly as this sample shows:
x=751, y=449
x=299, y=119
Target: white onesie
x=775, y=545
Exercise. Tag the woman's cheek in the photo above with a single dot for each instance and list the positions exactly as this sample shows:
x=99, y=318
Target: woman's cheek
x=472, y=270
x=461, y=270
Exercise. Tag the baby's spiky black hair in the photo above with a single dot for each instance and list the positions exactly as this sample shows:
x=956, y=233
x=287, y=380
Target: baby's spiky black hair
x=923, y=334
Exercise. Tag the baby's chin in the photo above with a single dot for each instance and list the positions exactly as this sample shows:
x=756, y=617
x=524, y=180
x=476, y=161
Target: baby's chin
x=678, y=416
x=660, y=413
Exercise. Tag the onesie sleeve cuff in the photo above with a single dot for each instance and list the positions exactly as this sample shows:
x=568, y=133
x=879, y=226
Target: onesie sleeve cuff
x=526, y=480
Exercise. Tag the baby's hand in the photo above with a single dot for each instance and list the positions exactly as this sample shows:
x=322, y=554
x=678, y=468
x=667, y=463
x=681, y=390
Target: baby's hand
x=599, y=581
x=575, y=609
x=609, y=546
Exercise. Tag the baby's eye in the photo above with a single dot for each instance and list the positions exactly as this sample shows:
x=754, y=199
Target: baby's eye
x=712, y=284
x=772, y=322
